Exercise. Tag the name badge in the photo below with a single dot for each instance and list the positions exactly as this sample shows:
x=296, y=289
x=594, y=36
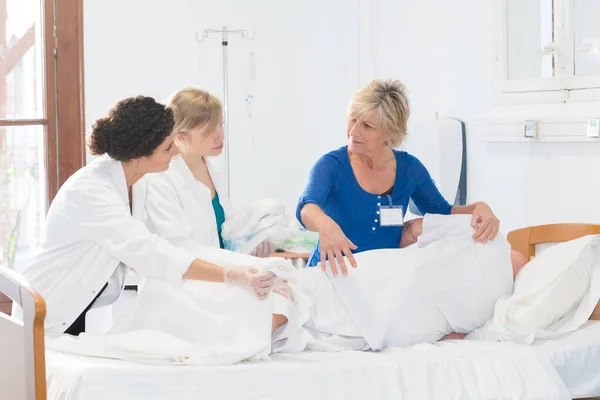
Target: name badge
x=391, y=216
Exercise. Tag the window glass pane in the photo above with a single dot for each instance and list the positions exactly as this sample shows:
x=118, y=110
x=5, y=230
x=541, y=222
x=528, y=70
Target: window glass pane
x=21, y=60
x=586, y=21
x=530, y=32
x=23, y=189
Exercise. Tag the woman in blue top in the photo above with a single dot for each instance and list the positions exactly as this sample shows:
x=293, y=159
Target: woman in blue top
x=356, y=195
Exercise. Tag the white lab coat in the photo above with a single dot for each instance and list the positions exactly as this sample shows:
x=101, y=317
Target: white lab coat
x=89, y=235
x=179, y=207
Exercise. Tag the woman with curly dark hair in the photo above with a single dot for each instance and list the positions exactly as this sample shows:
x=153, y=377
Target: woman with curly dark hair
x=95, y=231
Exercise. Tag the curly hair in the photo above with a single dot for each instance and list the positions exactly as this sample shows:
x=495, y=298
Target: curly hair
x=134, y=128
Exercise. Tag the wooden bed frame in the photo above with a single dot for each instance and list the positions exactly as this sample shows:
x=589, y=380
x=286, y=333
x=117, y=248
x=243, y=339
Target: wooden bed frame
x=524, y=240
x=29, y=334
x=22, y=358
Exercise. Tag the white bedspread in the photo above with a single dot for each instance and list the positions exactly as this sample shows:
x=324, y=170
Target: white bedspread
x=576, y=357
x=201, y=324
x=396, y=297
x=454, y=370
x=198, y=323
x=400, y=297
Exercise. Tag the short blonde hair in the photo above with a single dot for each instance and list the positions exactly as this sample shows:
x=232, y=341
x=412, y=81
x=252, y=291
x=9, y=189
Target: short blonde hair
x=389, y=100
x=193, y=107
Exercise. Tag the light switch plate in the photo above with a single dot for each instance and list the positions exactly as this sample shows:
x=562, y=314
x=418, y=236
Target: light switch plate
x=532, y=128
x=593, y=129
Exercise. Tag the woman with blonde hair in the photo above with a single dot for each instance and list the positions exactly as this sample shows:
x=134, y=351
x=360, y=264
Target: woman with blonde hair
x=187, y=204
x=356, y=195
x=193, y=178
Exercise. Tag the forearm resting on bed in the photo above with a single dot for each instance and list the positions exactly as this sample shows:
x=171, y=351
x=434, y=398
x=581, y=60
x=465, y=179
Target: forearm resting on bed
x=411, y=232
x=468, y=209
x=204, y=271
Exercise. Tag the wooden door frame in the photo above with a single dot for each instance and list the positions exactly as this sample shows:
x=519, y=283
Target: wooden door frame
x=65, y=104
x=50, y=98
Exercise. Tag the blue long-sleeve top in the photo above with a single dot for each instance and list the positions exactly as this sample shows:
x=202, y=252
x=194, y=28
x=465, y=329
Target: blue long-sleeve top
x=333, y=187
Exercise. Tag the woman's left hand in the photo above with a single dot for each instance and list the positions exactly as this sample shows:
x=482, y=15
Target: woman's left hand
x=264, y=249
x=485, y=223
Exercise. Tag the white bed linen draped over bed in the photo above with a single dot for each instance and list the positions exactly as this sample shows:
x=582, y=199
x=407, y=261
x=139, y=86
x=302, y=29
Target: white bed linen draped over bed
x=398, y=297
x=198, y=323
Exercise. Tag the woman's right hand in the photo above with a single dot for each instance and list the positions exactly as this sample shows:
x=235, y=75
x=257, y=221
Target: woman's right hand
x=260, y=283
x=334, y=245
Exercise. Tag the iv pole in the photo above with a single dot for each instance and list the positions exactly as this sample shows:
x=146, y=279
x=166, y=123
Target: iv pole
x=224, y=43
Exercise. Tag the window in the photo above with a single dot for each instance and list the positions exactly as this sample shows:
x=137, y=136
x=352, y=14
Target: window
x=547, y=50
x=40, y=143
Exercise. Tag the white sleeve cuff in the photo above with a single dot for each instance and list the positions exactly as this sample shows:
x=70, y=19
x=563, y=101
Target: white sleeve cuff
x=181, y=263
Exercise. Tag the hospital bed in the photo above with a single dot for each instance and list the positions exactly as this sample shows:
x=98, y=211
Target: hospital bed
x=560, y=368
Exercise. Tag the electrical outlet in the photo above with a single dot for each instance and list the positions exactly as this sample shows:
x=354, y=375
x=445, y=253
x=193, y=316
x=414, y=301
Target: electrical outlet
x=532, y=128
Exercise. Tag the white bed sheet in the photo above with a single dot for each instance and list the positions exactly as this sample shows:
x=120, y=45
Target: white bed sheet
x=447, y=370
x=464, y=369
x=348, y=375
x=576, y=357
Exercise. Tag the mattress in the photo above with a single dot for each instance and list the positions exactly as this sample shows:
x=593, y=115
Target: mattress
x=445, y=370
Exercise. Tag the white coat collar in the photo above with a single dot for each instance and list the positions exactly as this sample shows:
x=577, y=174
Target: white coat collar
x=220, y=184
x=179, y=170
x=215, y=173
x=183, y=174
x=138, y=190
x=118, y=174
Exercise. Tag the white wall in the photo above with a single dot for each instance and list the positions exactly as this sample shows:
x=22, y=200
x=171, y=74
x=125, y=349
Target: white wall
x=304, y=76
x=442, y=51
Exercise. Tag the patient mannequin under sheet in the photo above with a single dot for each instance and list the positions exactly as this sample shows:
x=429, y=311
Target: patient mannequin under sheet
x=450, y=284
x=399, y=297
x=396, y=297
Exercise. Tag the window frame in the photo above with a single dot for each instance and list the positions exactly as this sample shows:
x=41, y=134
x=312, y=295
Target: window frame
x=64, y=119
x=564, y=86
x=69, y=91
x=60, y=32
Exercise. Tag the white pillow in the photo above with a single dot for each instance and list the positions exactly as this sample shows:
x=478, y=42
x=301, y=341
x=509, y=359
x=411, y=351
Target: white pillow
x=542, y=309
x=555, y=293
